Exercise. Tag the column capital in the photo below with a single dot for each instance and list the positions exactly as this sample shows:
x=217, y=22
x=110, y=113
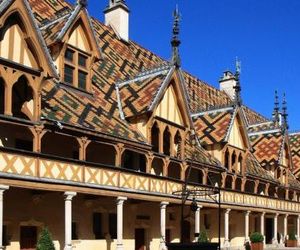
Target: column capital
x=121, y=199
x=3, y=188
x=164, y=204
x=263, y=213
x=247, y=212
x=299, y=216
x=276, y=215
x=69, y=195
x=286, y=215
x=227, y=211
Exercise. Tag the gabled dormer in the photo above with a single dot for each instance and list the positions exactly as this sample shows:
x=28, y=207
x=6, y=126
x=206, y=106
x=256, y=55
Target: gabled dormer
x=25, y=63
x=74, y=47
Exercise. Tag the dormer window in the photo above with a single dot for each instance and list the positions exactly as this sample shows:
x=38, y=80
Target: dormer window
x=76, y=64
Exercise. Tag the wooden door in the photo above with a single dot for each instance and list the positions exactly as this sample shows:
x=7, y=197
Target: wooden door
x=28, y=236
x=140, y=239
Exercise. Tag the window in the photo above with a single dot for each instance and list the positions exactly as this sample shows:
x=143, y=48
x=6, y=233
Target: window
x=76, y=68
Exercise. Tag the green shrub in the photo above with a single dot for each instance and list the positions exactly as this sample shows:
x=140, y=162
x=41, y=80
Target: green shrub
x=292, y=236
x=203, y=237
x=256, y=237
x=45, y=241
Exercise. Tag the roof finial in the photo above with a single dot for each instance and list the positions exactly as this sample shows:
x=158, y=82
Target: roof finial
x=276, y=115
x=175, y=39
x=237, y=87
x=83, y=3
x=284, y=113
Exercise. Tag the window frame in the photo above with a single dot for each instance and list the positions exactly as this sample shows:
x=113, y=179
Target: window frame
x=77, y=67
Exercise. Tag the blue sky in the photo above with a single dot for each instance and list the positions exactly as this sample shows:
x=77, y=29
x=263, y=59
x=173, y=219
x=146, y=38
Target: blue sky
x=264, y=34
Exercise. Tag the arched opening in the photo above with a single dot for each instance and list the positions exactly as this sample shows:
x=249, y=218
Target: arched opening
x=2, y=94
x=177, y=145
x=167, y=141
x=22, y=99
x=272, y=191
x=291, y=195
x=278, y=173
x=214, y=179
x=238, y=184
x=239, y=164
x=101, y=153
x=60, y=145
x=134, y=161
x=228, y=182
x=261, y=189
x=15, y=136
x=226, y=159
x=155, y=137
x=249, y=186
x=174, y=170
x=157, y=167
x=281, y=193
x=233, y=162
x=196, y=176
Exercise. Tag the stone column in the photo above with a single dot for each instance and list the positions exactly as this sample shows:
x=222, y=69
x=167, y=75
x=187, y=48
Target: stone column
x=2, y=189
x=226, y=229
x=68, y=219
x=120, y=203
x=197, y=223
x=163, y=207
x=262, y=225
x=298, y=230
x=274, y=240
x=285, y=225
x=247, y=213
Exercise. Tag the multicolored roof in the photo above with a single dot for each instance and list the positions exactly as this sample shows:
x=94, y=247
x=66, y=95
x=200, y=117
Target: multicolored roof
x=267, y=146
x=212, y=126
x=253, y=168
x=295, y=150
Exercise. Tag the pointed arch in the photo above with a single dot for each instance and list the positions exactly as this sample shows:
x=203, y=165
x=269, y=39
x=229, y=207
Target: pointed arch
x=167, y=141
x=178, y=145
x=23, y=99
x=226, y=159
x=155, y=137
x=174, y=170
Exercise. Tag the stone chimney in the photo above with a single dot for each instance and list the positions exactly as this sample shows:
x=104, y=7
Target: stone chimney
x=227, y=83
x=117, y=15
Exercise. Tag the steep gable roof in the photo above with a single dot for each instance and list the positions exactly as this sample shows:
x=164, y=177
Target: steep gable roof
x=28, y=15
x=294, y=139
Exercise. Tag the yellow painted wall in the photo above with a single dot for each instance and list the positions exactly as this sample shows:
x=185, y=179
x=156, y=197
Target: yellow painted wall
x=13, y=47
x=235, y=136
x=78, y=39
x=168, y=107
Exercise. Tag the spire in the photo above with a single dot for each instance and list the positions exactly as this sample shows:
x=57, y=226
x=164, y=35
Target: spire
x=276, y=115
x=83, y=3
x=284, y=113
x=175, y=39
x=237, y=87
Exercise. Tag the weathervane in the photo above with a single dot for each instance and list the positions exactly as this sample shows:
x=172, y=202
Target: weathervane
x=175, y=39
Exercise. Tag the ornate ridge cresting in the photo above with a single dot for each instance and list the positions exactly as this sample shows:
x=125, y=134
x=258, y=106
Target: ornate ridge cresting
x=276, y=115
x=175, y=39
x=237, y=87
x=285, y=125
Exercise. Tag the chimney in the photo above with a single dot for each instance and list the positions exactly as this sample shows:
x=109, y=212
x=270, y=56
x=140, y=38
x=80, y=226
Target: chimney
x=117, y=15
x=227, y=83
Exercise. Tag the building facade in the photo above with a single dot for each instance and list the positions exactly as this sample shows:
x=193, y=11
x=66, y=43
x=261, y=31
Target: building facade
x=98, y=136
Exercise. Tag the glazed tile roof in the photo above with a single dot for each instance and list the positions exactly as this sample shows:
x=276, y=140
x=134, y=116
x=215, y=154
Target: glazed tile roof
x=295, y=150
x=213, y=126
x=198, y=154
x=253, y=117
x=293, y=182
x=265, y=126
x=267, y=147
x=136, y=95
x=254, y=168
